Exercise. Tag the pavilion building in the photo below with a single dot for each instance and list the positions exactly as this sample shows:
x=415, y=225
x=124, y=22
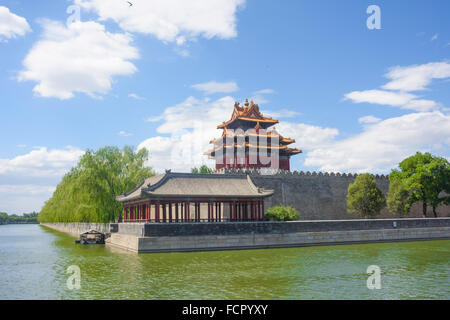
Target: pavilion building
x=247, y=142
x=188, y=197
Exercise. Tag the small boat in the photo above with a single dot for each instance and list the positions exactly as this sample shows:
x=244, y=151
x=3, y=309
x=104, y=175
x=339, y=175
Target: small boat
x=91, y=237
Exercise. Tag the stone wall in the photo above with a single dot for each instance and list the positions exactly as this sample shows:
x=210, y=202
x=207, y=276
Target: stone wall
x=166, y=237
x=319, y=196
x=75, y=228
x=273, y=227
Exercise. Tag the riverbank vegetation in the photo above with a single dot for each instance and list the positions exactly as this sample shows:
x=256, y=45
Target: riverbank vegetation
x=419, y=178
x=87, y=192
x=14, y=218
x=282, y=213
x=364, y=197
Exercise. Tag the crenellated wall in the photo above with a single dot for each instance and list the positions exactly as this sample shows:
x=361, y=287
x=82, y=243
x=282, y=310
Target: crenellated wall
x=317, y=195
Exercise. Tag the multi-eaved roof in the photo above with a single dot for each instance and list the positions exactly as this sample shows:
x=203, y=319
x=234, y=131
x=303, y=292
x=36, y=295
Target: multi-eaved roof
x=249, y=117
x=247, y=113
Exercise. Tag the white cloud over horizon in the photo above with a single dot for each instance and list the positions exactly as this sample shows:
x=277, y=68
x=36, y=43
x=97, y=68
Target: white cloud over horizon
x=81, y=57
x=28, y=180
x=382, y=145
x=42, y=162
x=175, y=21
x=12, y=25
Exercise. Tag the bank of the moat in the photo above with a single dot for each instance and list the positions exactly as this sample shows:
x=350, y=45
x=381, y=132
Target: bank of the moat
x=166, y=237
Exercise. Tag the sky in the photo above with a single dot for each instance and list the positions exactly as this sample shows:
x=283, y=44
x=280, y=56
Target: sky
x=358, y=88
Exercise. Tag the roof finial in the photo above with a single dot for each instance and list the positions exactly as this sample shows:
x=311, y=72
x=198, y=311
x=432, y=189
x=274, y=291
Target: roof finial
x=246, y=102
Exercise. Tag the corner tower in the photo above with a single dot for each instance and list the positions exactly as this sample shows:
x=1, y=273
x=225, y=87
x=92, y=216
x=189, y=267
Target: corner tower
x=246, y=140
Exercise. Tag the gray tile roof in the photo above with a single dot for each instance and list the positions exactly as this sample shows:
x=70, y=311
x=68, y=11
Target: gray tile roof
x=179, y=185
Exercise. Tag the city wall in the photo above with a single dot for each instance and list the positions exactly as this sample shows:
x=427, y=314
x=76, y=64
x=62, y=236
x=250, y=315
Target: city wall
x=319, y=196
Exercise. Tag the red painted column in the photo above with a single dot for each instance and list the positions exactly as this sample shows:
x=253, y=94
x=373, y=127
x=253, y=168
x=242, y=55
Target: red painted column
x=259, y=209
x=216, y=215
x=235, y=211
x=220, y=211
x=182, y=214
x=209, y=211
x=157, y=211
x=188, y=207
x=170, y=211
x=164, y=212
x=176, y=211
x=262, y=207
x=149, y=215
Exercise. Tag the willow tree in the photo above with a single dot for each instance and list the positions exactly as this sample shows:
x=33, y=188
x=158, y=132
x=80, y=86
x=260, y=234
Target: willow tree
x=87, y=193
x=364, y=197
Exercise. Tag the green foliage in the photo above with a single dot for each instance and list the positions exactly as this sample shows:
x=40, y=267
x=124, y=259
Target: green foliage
x=427, y=179
x=87, y=193
x=364, y=197
x=14, y=218
x=202, y=169
x=282, y=213
x=398, y=199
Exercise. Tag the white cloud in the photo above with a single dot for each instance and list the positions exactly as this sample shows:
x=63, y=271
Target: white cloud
x=258, y=96
x=369, y=119
x=282, y=113
x=381, y=146
x=124, y=134
x=188, y=126
x=416, y=77
x=41, y=162
x=396, y=99
x=434, y=37
x=82, y=57
x=28, y=180
x=135, y=96
x=307, y=137
x=216, y=87
x=12, y=25
x=264, y=91
x=171, y=20
x=18, y=199
x=403, y=81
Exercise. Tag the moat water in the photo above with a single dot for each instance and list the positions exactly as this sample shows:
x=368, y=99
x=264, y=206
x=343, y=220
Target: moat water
x=34, y=262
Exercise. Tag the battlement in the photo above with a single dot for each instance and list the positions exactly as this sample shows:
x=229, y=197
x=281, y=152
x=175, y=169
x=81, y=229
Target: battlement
x=285, y=173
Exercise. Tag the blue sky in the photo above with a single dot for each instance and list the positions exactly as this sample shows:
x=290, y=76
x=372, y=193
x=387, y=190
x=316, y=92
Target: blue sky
x=163, y=74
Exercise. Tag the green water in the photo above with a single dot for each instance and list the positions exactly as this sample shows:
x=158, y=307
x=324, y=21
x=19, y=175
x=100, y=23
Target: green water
x=34, y=262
